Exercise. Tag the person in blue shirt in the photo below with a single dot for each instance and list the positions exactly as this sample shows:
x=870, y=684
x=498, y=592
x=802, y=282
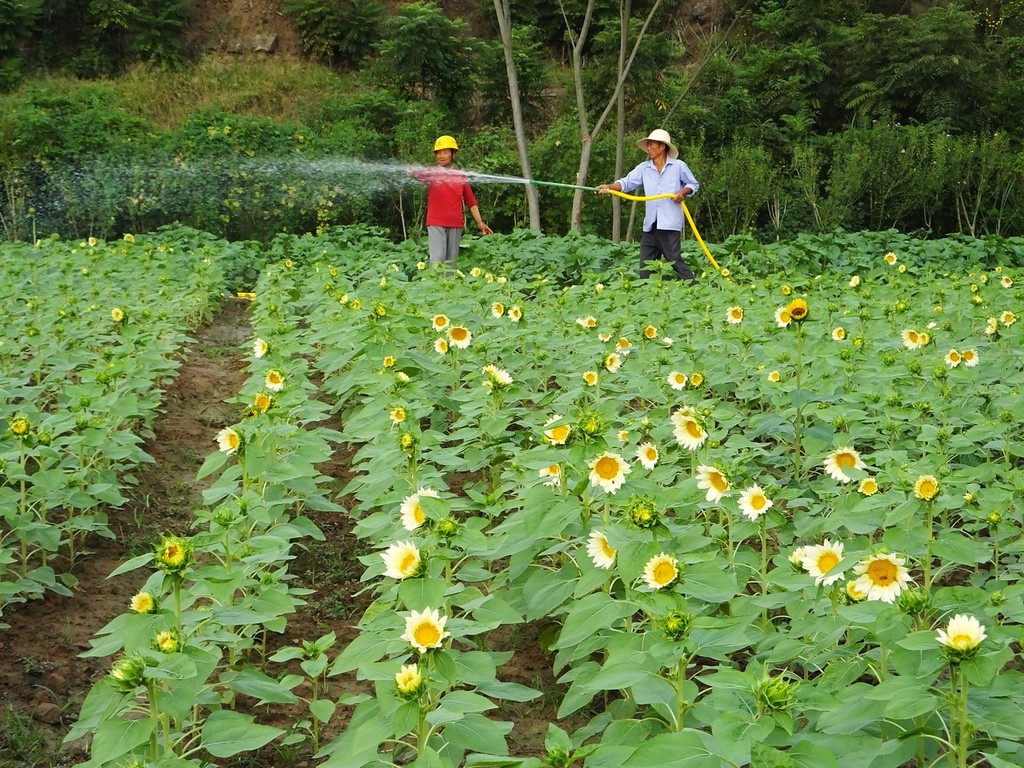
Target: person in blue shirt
x=662, y=172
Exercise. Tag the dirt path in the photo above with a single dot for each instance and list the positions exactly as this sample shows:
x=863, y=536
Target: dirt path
x=43, y=680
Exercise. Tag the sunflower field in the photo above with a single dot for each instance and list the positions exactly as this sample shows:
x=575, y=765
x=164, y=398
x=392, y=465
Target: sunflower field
x=770, y=520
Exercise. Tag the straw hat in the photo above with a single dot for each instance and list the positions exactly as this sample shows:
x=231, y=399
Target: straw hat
x=661, y=135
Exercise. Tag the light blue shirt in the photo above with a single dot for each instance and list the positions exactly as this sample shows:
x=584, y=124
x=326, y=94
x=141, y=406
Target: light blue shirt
x=664, y=213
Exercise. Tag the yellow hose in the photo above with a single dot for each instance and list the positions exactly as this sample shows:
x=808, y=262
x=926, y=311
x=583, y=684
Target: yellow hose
x=689, y=218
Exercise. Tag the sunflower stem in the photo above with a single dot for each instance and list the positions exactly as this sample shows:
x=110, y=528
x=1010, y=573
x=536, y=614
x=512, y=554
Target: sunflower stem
x=798, y=419
x=926, y=566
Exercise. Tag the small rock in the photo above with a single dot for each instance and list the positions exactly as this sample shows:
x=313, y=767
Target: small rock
x=264, y=43
x=235, y=47
x=47, y=713
x=55, y=682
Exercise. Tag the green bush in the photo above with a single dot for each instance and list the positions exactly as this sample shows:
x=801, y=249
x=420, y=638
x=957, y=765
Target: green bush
x=341, y=33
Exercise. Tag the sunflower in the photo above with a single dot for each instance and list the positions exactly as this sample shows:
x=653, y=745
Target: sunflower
x=425, y=629
x=962, y=635
x=868, y=486
x=623, y=345
x=754, y=502
x=970, y=357
x=712, y=480
x=689, y=432
x=953, y=358
x=19, y=426
x=782, y=317
x=601, y=552
x=228, y=440
x=259, y=348
x=459, y=336
x=609, y=471
x=167, y=641
x=558, y=434
x=677, y=380
x=1007, y=318
x=926, y=487
x=143, y=602
x=552, y=474
x=389, y=361
x=274, y=380
x=911, y=338
x=841, y=460
x=820, y=561
x=497, y=309
x=854, y=592
x=838, y=333
x=797, y=310
x=661, y=571
x=650, y=333
x=696, y=379
x=409, y=681
x=117, y=314
x=890, y=258
x=439, y=322
x=774, y=377
x=882, y=577
x=612, y=362
x=441, y=346
x=647, y=455
x=855, y=281
x=734, y=315
x=1007, y=281
x=401, y=560
x=590, y=378
x=174, y=554
x=411, y=511
x=515, y=314
x=587, y=322
x=398, y=414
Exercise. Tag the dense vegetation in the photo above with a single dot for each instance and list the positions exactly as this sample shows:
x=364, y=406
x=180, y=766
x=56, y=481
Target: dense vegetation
x=761, y=521
x=796, y=116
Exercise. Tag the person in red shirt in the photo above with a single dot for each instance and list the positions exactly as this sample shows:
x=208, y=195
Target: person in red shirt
x=448, y=191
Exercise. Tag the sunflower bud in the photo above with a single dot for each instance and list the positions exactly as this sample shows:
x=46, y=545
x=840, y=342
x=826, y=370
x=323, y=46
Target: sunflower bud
x=676, y=625
x=127, y=673
x=914, y=601
x=774, y=694
x=642, y=512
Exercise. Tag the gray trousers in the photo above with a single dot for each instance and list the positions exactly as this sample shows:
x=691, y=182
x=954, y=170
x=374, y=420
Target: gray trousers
x=444, y=244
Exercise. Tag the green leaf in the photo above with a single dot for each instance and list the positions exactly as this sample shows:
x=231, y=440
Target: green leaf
x=685, y=749
x=115, y=738
x=590, y=615
x=228, y=733
x=259, y=685
x=476, y=733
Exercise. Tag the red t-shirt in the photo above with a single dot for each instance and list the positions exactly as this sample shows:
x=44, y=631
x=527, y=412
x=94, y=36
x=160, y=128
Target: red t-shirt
x=447, y=190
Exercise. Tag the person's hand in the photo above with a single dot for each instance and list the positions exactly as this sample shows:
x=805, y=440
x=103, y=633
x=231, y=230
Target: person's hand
x=604, y=189
x=682, y=194
x=485, y=230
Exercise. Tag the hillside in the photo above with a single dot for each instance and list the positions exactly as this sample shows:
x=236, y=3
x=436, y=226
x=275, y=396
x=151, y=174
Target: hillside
x=234, y=25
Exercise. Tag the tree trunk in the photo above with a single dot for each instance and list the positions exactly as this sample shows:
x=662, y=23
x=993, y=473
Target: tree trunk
x=625, y=11
x=587, y=133
x=504, y=13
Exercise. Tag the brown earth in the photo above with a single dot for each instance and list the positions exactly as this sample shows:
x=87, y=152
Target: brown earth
x=43, y=678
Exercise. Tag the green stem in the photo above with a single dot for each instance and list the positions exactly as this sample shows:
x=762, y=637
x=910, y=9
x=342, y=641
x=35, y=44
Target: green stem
x=926, y=566
x=963, y=743
x=764, y=570
x=154, y=714
x=798, y=419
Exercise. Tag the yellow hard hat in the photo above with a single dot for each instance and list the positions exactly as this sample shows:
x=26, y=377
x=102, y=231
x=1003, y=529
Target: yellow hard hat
x=445, y=142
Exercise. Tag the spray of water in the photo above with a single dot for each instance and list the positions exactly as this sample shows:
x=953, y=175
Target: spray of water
x=237, y=196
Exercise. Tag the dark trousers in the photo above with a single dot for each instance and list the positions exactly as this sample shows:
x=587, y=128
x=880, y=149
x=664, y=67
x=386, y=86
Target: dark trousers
x=663, y=244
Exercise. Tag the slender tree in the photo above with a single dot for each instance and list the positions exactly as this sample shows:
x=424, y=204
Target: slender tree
x=503, y=11
x=588, y=132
